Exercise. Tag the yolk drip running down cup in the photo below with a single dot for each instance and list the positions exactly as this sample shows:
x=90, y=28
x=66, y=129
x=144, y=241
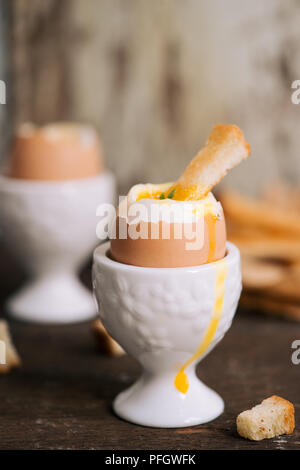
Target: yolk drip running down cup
x=58, y=151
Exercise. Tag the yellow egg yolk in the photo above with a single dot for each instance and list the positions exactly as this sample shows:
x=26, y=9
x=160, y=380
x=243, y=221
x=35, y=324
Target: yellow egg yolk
x=176, y=192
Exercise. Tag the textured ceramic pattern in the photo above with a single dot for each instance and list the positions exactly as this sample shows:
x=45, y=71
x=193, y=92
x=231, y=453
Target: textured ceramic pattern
x=51, y=228
x=160, y=316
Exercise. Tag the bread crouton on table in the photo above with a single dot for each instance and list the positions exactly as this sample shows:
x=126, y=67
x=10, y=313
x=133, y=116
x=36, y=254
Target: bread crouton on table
x=107, y=345
x=10, y=357
x=273, y=417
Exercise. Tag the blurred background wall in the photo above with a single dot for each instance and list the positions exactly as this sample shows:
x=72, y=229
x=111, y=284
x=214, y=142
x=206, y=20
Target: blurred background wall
x=154, y=76
x=6, y=123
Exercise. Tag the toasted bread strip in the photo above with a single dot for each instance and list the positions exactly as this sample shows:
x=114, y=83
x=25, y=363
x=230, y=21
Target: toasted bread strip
x=106, y=343
x=262, y=215
x=285, y=249
x=225, y=148
x=260, y=274
x=288, y=288
x=10, y=354
x=270, y=306
x=280, y=194
x=273, y=417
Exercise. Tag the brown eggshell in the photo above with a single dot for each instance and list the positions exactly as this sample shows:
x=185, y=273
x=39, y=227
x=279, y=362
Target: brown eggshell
x=170, y=253
x=36, y=155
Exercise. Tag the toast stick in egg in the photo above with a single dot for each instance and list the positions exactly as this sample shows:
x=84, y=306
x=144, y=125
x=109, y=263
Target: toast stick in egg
x=225, y=148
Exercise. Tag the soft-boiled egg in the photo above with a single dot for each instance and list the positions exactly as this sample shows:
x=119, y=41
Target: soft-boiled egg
x=157, y=231
x=180, y=224
x=58, y=151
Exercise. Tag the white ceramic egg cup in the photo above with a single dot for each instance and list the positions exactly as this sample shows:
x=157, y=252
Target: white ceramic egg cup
x=51, y=228
x=160, y=316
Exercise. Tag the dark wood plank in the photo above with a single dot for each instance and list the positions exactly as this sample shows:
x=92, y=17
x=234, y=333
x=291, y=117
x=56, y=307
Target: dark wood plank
x=61, y=397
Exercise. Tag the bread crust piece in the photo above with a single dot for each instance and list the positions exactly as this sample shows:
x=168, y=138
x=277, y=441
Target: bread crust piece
x=260, y=303
x=273, y=417
x=261, y=215
x=225, y=148
x=107, y=345
x=11, y=355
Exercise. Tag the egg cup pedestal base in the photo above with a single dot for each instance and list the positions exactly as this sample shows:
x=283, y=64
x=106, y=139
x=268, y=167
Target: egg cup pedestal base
x=49, y=227
x=57, y=298
x=168, y=319
x=154, y=401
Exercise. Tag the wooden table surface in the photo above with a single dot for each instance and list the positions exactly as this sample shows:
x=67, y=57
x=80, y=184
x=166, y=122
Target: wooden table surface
x=61, y=397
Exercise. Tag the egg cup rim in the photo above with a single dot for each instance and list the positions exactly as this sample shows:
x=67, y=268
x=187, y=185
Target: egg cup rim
x=100, y=257
x=10, y=184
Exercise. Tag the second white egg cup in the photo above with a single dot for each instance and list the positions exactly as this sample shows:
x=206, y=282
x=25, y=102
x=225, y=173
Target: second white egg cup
x=161, y=317
x=51, y=228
